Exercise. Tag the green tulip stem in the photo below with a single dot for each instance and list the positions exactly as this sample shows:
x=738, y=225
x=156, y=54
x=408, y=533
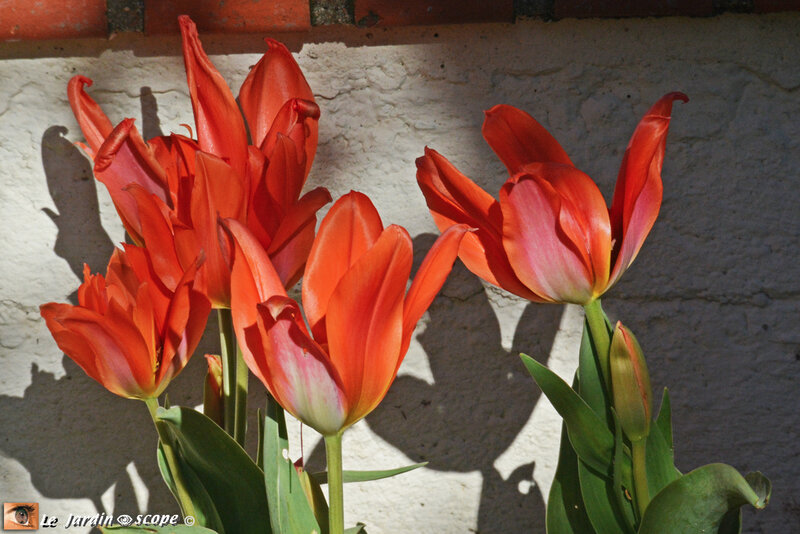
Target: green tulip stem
x=227, y=342
x=333, y=450
x=240, y=426
x=598, y=329
x=641, y=490
x=167, y=445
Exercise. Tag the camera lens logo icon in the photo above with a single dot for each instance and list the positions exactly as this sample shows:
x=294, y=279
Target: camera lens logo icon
x=124, y=520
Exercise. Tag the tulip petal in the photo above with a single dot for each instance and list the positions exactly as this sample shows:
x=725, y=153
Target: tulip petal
x=638, y=193
x=275, y=79
x=220, y=127
x=253, y=280
x=429, y=279
x=292, y=242
x=176, y=154
x=297, y=119
x=541, y=252
x=583, y=217
x=455, y=199
x=94, y=124
x=217, y=194
x=349, y=229
x=364, y=321
x=158, y=236
x=73, y=345
x=124, y=159
x=518, y=139
x=297, y=370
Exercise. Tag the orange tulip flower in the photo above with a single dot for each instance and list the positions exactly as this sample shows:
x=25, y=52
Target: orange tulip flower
x=550, y=238
x=129, y=331
x=354, y=296
x=192, y=184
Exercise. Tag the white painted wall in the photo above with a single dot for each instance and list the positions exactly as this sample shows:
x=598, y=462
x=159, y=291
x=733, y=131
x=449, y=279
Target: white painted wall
x=713, y=297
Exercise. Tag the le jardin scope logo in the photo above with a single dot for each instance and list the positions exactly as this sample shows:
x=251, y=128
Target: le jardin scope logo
x=20, y=516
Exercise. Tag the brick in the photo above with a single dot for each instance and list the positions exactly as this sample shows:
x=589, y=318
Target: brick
x=772, y=6
x=393, y=13
x=228, y=16
x=632, y=8
x=28, y=20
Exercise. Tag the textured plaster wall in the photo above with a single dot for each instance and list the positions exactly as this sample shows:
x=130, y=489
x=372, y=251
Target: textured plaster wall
x=713, y=296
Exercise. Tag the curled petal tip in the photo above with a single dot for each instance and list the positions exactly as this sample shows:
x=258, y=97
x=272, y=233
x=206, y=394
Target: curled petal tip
x=677, y=95
x=275, y=45
x=306, y=108
x=81, y=79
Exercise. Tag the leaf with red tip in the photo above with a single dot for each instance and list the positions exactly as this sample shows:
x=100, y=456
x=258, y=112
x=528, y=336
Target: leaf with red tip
x=518, y=139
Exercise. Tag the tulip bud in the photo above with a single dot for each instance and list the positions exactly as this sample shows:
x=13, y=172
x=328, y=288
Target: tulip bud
x=630, y=383
x=212, y=392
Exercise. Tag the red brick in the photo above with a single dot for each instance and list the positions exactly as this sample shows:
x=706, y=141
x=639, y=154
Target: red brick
x=394, y=13
x=771, y=6
x=26, y=19
x=228, y=16
x=632, y=8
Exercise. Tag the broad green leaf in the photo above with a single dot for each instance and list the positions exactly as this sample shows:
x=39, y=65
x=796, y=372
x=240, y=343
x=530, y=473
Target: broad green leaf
x=700, y=500
x=365, y=476
x=588, y=433
x=566, y=512
x=219, y=468
x=290, y=511
x=177, y=529
x=601, y=501
x=205, y=512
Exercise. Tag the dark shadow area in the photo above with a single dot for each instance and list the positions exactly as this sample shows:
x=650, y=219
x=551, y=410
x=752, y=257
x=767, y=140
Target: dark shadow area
x=480, y=399
x=76, y=440
x=81, y=237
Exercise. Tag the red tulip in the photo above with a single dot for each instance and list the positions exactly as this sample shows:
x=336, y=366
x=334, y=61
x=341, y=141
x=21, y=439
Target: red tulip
x=550, y=238
x=192, y=184
x=354, y=296
x=129, y=331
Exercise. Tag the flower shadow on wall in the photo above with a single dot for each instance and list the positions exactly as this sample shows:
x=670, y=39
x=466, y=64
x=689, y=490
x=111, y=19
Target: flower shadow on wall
x=75, y=452
x=478, y=404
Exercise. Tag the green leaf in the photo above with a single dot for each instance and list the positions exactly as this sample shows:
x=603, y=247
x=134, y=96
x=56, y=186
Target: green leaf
x=664, y=419
x=591, y=387
x=588, y=433
x=177, y=529
x=365, y=476
x=659, y=460
x=566, y=512
x=601, y=499
x=360, y=528
x=700, y=500
x=290, y=511
x=205, y=512
x=731, y=523
x=218, y=473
